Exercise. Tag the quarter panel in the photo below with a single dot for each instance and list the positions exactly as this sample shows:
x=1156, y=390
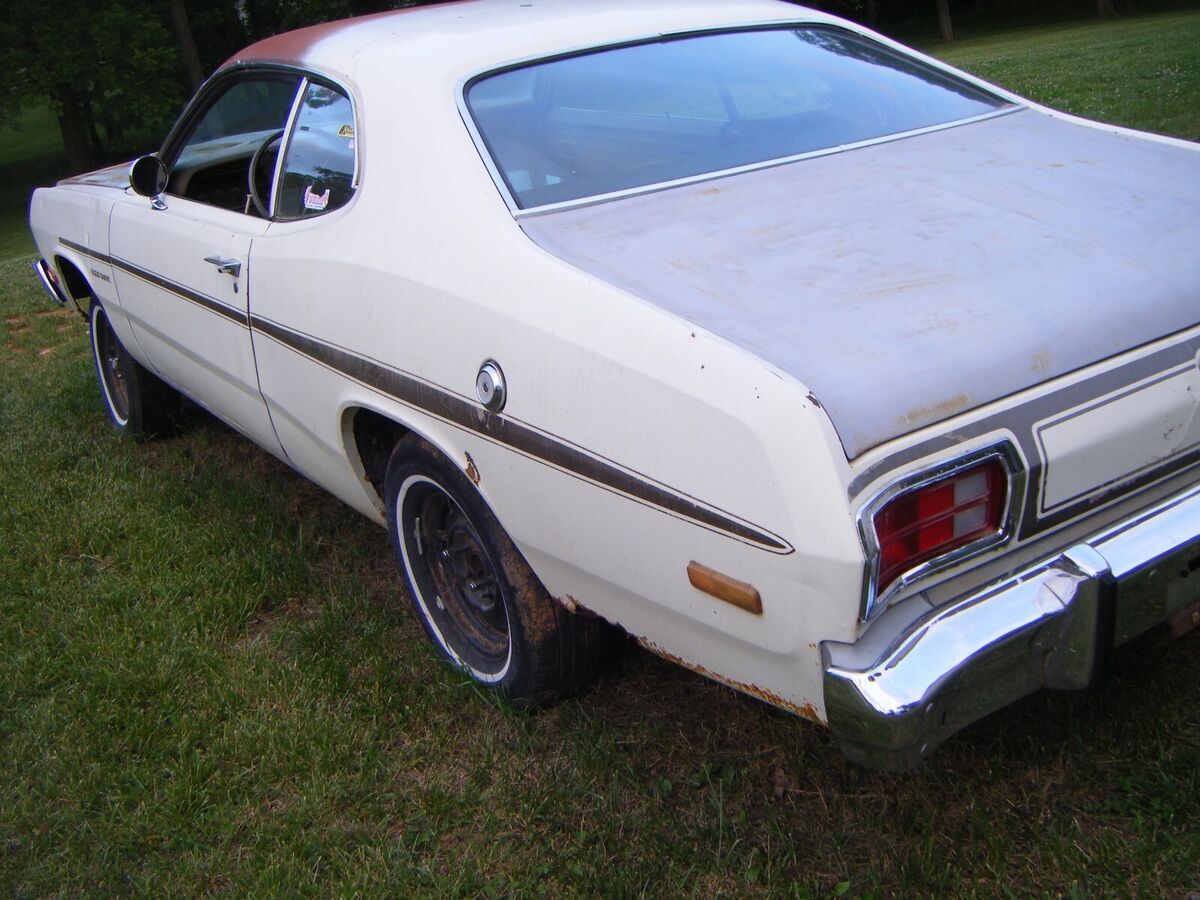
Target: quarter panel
x=590, y=369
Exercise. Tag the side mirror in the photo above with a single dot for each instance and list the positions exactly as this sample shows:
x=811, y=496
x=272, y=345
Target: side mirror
x=148, y=176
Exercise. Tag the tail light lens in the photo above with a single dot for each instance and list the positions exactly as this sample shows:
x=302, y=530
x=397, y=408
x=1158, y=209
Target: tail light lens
x=938, y=517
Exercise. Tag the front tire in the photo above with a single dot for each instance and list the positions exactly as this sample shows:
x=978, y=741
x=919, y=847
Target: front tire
x=139, y=403
x=478, y=600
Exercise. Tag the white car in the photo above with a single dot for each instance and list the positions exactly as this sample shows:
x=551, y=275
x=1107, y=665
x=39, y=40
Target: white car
x=826, y=370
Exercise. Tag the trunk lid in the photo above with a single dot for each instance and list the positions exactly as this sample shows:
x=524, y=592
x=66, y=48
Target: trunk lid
x=912, y=280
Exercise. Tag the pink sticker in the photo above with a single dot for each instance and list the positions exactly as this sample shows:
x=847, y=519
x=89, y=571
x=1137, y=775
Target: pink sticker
x=313, y=200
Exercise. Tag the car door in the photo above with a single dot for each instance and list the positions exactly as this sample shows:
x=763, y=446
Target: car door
x=182, y=261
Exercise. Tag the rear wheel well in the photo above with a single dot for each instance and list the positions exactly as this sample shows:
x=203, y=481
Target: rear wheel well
x=375, y=436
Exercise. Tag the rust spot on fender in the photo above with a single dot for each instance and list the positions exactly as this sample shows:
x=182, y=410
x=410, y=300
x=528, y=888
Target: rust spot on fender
x=812, y=398
x=573, y=606
x=539, y=620
x=472, y=472
x=804, y=710
x=1040, y=361
x=935, y=412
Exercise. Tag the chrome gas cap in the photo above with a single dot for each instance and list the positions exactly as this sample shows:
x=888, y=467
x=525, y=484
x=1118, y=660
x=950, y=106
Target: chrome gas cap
x=489, y=385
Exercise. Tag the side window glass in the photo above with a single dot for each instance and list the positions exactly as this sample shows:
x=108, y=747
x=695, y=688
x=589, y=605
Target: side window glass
x=213, y=163
x=318, y=171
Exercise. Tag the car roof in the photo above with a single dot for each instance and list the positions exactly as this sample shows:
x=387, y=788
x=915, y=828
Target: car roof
x=467, y=36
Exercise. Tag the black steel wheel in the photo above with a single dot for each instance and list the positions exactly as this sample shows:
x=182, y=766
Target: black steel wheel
x=456, y=581
x=478, y=600
x=139, y=403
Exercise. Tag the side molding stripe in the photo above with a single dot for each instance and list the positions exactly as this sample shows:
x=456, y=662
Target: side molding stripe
x=472, y=417
x=179, y=290
x=468, y=415
x=86, y=251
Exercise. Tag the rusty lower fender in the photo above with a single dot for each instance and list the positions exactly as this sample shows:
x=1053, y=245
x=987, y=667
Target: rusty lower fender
x=804, y=710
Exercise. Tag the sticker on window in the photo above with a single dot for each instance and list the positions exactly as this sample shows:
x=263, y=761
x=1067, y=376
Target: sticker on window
x=346, y=131
x=315, y=201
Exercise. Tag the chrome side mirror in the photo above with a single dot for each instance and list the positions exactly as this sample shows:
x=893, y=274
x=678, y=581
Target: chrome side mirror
x=148, y=177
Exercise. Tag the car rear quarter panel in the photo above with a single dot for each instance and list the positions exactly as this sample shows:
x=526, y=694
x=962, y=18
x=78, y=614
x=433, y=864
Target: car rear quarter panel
x=426, y=273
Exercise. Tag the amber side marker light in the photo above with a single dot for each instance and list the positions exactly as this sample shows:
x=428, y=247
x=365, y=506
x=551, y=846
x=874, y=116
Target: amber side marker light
x=937, y=518
x=723, y=587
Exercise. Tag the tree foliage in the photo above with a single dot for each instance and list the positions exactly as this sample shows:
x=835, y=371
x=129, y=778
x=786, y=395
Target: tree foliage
x=106, y=69
x=116, y=72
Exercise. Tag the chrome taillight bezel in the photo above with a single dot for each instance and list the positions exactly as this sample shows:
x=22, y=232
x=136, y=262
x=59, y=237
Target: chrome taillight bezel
x=873, y=601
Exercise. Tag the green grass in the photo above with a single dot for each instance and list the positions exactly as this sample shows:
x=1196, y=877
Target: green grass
x=1140, y=72
x=210, y=680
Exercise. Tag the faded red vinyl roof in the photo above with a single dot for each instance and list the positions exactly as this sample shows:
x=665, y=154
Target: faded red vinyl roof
x=456, y=38
x=293, y=46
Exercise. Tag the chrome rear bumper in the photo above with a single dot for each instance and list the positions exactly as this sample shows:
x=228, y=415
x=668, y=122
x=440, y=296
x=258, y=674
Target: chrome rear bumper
x=895, y=695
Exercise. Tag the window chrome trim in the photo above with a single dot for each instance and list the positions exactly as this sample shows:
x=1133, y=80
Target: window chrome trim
x=873, y=602
x=289, y=128
x=548, y=208
x=1011, y=104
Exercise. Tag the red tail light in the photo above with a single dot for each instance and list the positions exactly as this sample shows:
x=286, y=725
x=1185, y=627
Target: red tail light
x=936, y=518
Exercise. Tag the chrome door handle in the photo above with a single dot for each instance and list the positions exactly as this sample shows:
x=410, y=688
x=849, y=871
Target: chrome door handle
x=225, y=266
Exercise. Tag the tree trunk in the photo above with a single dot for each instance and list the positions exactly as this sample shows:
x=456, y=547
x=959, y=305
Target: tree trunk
x=74, y=123
x=187, y=43
x=75, y=141
x=947, y=26
x=89, y=123
x=1105, y=9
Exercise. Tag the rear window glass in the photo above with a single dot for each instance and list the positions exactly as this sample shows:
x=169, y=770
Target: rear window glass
x=627, y=117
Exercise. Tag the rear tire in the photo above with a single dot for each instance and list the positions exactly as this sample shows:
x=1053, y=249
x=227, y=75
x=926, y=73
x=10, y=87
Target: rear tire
x=478, y=600
x=139, y=403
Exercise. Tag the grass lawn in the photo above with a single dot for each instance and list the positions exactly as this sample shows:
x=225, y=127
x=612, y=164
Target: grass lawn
x=210, y=681
x=1143, y=73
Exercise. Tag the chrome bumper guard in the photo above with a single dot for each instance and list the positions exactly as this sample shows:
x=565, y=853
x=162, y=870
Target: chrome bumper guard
x=893, y=697
x=49, y=282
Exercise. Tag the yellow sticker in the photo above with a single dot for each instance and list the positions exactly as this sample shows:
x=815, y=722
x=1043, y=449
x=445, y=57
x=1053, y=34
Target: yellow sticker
x=346, y=131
